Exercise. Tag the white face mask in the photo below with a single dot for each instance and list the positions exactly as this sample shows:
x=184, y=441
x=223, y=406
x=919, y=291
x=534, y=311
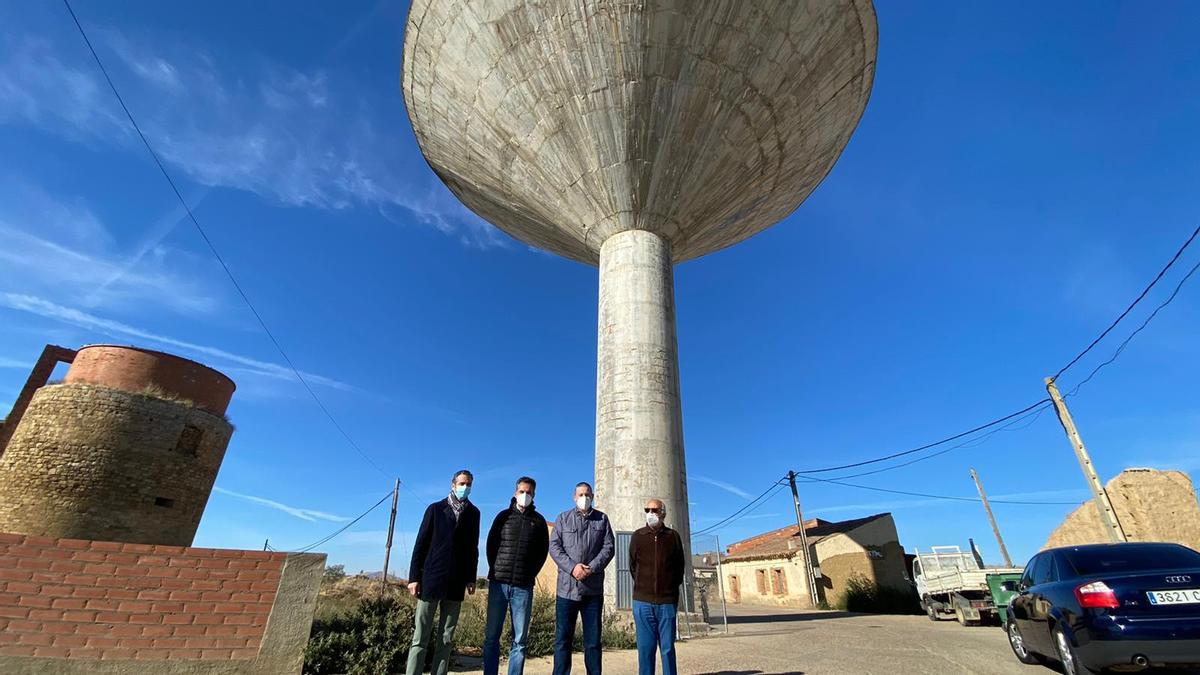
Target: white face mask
x=583, y=502
x=524, y=499
x=652, y=519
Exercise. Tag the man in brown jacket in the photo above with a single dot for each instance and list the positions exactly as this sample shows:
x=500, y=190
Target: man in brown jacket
x=656, y=561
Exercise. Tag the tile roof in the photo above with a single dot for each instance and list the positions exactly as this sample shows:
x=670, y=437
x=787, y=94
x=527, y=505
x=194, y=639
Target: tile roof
x=779, y=542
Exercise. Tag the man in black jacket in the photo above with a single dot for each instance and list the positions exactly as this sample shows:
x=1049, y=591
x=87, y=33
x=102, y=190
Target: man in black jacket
x=656, y=561
x=444, y=563
x=517, y=546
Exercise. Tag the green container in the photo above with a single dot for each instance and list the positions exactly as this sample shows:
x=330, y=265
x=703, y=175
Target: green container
x=1000, y=597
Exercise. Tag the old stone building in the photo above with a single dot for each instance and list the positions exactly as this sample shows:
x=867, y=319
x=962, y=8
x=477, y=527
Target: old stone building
x=1151, y=505
x=125, y=449
x=768, y=569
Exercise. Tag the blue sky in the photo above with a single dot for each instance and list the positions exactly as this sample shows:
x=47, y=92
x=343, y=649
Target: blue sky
x=1020, y=173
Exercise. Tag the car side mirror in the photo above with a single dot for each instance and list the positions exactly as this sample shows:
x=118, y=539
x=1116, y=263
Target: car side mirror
x=1009, y=586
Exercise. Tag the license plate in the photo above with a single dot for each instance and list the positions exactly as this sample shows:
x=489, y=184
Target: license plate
x=1183, y=596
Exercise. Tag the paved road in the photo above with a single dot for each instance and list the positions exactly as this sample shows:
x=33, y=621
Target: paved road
x=816, y=643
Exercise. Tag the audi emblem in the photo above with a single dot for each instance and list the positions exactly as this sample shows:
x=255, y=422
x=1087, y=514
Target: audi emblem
x=1179, y=579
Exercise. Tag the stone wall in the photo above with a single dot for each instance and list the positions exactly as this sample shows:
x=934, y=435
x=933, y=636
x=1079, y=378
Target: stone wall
x=74, y=606
x=1151, y=505
x=91, y=462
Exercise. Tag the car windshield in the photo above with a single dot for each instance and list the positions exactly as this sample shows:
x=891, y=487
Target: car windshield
x=1131, y=558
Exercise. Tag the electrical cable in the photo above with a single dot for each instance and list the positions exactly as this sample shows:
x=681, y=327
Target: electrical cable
x=211, y=247
x=1128, y=309
x=751, y=505
x=931, y=496
x=1145, y=323
x=348, y=525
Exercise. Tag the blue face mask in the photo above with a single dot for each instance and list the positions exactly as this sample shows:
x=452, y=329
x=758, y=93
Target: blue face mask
x=462, y=491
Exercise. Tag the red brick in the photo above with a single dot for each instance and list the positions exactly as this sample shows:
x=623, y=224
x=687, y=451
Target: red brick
x=90, y=592
x=128, y=630
x=245, y=597
x=209, y=619
x=33, y=601
x=68, y=566
x=138, y=643
x=52, y=652
x=79, y=615
x=34, y=540
x=185, y=595
x=145, y=618
x=178, y=619
x=33, y=564
x=106, y=545
x=175, y=584
x=153, y=594
x=23, y=551
x=265, y=586
x=88, y=556
x=12, y=574
x=99, y=569
x=221, y=631
x=170, y=550
x=168, y=572
x=152, y=654
x=179, y=561
x=192, y=573
x=252, y=575
x=153, y=560
x=57, y=591
x=229, y=643
x=239, y=620
x=10, y=599
x=243, y=565
x=22, y=587
x=132, y=571
x=112, y=617
x=59, y=628
x=10, y=538
x=189, y=631
x=70, y=603
x=81, y=579
x=37, y=639
x=137, y=548
x=45, y=614
x=157, y=631
x=121, y=594
x=96, y=629
x=19, y=650
x=71, y=641
x=216, y=654
x=229, y=608
x=243, y=586
x=214, y=564
x=56, y=554
x=103, y=642
x=136, y=606
x=168, y=607
x=23, y=626
x=184, y=654
x=250, y=631
x=117, y=653
x=105, y=604
x=225, y=575
x=219, y=596
x=206, y=585
x=121, y=558
x=74, y=543
x=202, y=552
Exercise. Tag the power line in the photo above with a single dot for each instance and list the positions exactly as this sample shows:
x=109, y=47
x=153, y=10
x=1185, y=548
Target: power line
x=927, y=446
x=931, y=496
x=348, y=525
x=1145, y=323
x=211, y=247
x=1128, y=309
x=759, y=500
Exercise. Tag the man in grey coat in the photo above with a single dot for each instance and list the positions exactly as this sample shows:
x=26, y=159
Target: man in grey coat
x=582, y=545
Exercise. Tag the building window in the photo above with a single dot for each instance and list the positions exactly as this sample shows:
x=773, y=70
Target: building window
x=760, y=576
x=189, y=440
x=778, y=581
x=164, y=502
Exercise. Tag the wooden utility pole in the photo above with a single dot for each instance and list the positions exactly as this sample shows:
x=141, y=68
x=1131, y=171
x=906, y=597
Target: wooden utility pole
x=808, y=566
x=1108, y=517
x=992, y=519
x=391, y=526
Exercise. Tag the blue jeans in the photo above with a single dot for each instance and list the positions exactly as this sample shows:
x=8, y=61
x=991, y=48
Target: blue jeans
x=503, y=599
x=591, y=607
x=655, y=625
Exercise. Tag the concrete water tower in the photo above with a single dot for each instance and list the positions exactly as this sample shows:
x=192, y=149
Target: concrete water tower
x=632, y=135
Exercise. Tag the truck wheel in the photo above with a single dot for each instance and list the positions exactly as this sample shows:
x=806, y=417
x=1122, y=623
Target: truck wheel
x=1018, y=645
x=931, y=612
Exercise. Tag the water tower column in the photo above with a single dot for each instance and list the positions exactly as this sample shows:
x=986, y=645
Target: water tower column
x=639, y=420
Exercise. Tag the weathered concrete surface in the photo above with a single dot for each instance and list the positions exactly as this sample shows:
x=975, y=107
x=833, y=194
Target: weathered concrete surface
x=830, y=643
x=563, y=123
x=1151, y=506
x=639, y=418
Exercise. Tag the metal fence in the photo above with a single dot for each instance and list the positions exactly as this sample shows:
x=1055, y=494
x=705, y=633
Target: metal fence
x=708, y=585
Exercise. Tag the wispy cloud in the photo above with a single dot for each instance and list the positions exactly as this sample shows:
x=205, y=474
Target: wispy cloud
x=301, y=139
x=81, y=319
x=6, y=362
x=301, y=513
x=728, y=487
x=896, y=504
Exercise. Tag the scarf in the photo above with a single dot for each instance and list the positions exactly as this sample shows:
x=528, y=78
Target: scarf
x=457, y=505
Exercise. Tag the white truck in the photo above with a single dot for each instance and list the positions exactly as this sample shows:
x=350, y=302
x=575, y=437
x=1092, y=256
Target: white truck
x=954, y=584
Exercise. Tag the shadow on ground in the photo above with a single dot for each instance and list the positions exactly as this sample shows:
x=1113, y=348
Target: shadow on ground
x=751, y=672
x=791, y=616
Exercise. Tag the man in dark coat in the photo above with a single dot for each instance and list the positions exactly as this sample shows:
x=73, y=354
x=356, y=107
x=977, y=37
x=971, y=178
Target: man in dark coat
x=517, y=546
x=657, y=563
x=444, y=563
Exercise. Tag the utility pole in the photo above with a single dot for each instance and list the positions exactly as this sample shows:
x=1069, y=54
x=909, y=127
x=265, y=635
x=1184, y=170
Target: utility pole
x=1108, y=517
x=266, y=544
x=721, y=585
x=391, y=526
x=808, y=566
x=992, y=519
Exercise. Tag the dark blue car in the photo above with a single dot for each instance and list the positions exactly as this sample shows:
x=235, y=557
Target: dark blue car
x=1102, y=606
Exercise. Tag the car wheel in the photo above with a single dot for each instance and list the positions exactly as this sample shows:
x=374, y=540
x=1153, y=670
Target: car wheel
x=1018, y=645
x=1067, y=655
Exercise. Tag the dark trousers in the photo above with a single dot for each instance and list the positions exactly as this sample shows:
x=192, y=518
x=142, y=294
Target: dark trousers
x=591, y=608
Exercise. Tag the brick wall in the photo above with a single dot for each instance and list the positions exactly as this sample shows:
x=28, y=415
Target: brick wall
x=108, y=600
